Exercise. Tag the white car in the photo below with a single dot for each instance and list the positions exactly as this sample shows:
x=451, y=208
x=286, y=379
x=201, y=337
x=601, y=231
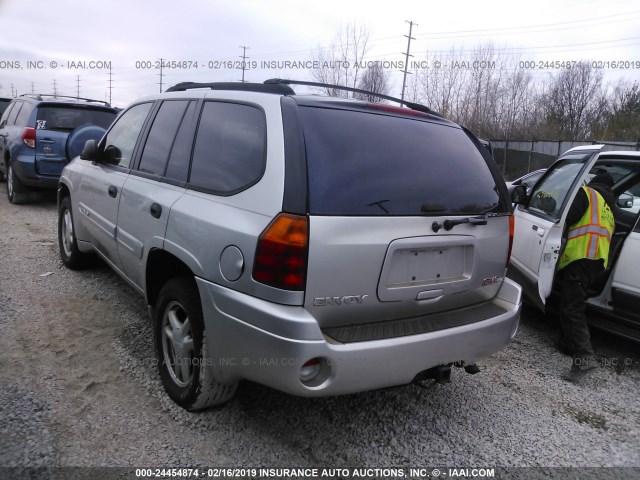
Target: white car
x=539, y=236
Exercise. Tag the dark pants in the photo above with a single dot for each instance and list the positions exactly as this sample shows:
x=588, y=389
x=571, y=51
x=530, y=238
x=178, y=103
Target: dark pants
x=574, y=281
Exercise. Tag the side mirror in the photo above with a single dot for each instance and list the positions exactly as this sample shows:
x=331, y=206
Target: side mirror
x=625, y=200
x=112, y=155
x=90, y=151
x=519, y=194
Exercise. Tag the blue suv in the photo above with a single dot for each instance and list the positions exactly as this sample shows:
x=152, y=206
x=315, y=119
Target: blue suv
x=40, y=134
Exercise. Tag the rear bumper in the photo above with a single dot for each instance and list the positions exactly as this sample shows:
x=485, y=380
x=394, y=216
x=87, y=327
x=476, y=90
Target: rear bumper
x=25, y=168
x=249, y=338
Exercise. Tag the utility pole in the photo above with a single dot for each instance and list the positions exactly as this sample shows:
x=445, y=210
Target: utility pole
x=244, y=60
x=55, y=89
x=12, y=94
x=161, y=62
x=110, y=82
x=33, y=90
x=406, y=62
x=77, y=86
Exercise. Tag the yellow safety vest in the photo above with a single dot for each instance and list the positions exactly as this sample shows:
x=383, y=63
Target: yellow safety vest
x=591, y=236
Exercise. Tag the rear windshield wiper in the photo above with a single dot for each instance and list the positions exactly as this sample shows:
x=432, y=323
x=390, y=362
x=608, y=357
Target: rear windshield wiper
x=449, y=224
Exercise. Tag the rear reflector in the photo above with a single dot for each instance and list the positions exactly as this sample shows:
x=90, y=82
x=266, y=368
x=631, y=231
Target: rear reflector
x=281, y=255
x=512, y=221
x=310, y=370
x=29, y=137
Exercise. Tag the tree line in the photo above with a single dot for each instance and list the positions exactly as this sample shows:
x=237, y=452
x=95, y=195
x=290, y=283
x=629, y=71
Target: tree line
x=501, y=102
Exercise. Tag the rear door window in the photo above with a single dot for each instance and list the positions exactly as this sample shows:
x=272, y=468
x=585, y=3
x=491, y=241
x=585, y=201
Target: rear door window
x=161, y=136
x=230, y=149
x=178, y=166
x=362, y=163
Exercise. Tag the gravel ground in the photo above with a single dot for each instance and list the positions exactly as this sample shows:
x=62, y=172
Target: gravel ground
x=79, y=388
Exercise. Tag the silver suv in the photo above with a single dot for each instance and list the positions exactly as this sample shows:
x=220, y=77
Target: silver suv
x=316, y=245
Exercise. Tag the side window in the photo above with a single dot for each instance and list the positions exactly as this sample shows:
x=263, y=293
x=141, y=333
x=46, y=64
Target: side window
x=120, y=141
x=7, y=112
x=230, y=149
x=178, y=166
x=161, y=136
x=23, y=116
x=549, y=196
x=14, y=113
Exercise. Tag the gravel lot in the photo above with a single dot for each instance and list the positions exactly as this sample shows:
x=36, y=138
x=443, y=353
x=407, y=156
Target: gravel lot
x=78, y=388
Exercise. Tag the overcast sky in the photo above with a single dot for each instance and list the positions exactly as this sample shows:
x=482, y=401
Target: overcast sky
x=43, y=41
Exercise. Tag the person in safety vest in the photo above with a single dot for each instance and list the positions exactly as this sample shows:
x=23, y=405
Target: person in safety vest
x=590, y=227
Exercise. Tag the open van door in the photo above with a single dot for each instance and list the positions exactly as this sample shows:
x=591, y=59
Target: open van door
x=539, y=222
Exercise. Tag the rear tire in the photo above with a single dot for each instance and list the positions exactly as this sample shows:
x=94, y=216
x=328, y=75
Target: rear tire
x=17, y=193
x=70, y=255
x=181, y=348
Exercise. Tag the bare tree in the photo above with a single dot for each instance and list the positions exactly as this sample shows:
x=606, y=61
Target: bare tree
x=441, y=87
x=374, y=79
x=517, y=107
x=343, y=61
x=623, y=117
x=574, y=101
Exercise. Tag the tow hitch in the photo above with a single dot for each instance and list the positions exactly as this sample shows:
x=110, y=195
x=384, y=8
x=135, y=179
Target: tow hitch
x=441, y=374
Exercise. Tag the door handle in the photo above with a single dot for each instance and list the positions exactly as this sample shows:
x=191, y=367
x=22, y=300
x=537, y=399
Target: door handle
x=155, y=210
x=113, y=191
x=539, y=231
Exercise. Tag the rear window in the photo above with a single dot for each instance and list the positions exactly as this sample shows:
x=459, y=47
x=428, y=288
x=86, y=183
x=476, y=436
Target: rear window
x=371, y=164
x=230, y=148
x=69, y=118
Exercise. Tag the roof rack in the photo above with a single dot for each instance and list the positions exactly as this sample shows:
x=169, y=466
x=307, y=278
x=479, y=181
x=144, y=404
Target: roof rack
x=246, y=87
x=414, y=106
x=38, y=96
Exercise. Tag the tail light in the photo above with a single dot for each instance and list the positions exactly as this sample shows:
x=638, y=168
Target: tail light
x=281, y=255
x=29, y=137
x=512, y=227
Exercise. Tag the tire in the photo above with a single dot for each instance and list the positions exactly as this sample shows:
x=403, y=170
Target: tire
x=67, y=243
x=78, y=137
x=17, y=193
x=181, y=349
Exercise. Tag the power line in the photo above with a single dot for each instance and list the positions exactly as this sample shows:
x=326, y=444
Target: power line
x=407, y=55
x=495, y=31
x=110, y=82
x=161, y=74
x=244, y=60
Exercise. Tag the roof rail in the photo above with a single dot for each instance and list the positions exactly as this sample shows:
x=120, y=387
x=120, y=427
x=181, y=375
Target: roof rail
x=414, y=106
x=38, y=96
x=247, y=87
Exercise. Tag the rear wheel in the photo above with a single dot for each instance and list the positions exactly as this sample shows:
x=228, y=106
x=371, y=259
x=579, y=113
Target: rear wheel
x=71, y=256
x=181, y=348
x=16, y=191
